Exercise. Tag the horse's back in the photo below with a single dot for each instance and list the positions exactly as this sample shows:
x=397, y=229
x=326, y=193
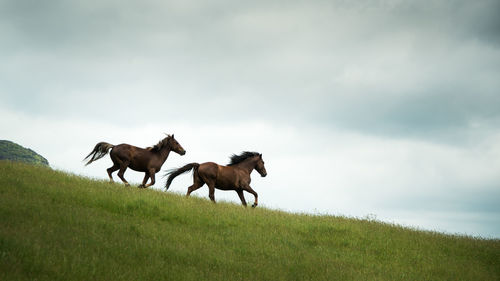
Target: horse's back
x=125, y=151
x=121, y=148
x=208, y=168
x=224, y=177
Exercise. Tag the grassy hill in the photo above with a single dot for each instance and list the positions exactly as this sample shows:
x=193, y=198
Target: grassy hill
x=14, y=152
x=57, y=226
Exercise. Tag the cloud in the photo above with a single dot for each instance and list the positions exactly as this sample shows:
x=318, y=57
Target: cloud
x=379, y=67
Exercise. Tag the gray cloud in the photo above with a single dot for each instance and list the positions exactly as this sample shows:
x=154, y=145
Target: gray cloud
x=376, y=66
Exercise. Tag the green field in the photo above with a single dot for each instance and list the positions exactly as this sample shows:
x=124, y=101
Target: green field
x=58, y=226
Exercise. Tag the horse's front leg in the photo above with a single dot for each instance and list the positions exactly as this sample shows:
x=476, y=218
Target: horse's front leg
x=242, y=197
x=250, y=190
x=145, y=180
x=152, y=173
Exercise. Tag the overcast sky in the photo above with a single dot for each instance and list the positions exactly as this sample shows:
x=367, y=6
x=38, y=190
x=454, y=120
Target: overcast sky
x=386, y=109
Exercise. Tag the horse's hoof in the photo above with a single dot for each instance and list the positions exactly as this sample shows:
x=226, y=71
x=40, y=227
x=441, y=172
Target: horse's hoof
x=254, y=205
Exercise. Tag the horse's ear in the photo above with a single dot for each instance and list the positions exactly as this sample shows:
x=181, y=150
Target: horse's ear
x=172, y=135
x=260, y=156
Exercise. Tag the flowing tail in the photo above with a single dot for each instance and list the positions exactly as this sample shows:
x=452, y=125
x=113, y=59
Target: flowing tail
x=175, y=172
x=100, y=150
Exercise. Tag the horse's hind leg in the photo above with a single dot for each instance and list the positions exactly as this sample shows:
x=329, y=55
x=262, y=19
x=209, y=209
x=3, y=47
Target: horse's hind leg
x=121, y=172
x=197, y=183
x=211, y=191
x=112, y=170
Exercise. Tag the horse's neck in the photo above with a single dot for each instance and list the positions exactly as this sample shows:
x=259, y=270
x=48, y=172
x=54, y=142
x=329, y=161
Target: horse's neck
x=164, y=152
x=247, y=165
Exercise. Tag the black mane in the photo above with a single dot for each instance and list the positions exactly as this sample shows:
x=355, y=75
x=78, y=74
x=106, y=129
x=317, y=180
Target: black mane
x=160, y=145
x=236, y=159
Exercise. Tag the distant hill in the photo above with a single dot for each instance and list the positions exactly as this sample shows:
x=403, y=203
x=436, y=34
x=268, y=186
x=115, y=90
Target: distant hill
x=14, y=152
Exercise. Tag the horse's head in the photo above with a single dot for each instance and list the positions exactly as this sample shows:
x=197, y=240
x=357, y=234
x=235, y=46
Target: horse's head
x=259, y=166
x=174, y=145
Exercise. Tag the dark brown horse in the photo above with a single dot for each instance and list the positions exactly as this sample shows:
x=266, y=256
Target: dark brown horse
x=235, y=176
x=148, y=160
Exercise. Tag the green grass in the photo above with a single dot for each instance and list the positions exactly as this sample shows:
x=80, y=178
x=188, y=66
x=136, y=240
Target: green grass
x=58, y=226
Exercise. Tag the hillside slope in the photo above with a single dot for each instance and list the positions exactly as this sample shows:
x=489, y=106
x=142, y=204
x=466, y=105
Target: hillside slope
x=56, y=226
x=14, y=152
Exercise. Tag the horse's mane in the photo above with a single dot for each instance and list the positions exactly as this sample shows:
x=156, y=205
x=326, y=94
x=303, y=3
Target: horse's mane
x=157, y=147
x=236, y=159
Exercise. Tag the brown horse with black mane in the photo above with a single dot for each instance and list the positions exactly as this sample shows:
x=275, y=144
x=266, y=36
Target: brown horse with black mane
x=148, y=160
x=235, y=176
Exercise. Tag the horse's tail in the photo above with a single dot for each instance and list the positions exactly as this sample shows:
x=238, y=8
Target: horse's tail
x=175, y=172
x=100, y=150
